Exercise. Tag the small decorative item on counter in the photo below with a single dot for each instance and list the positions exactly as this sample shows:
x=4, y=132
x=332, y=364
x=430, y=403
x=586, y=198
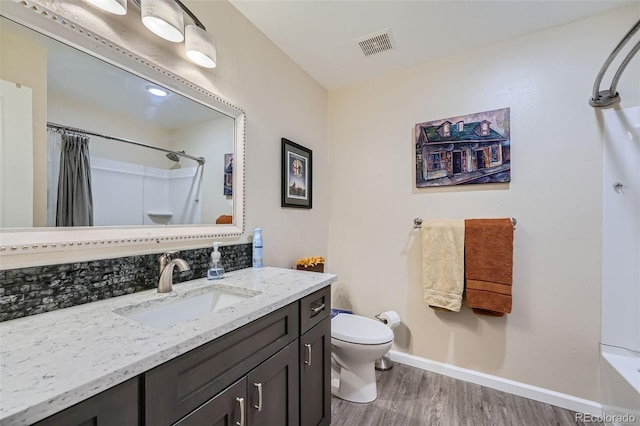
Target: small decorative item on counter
x=312, y=263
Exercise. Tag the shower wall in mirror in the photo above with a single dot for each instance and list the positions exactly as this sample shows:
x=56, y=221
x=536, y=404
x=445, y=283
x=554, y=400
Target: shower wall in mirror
x=137, y=173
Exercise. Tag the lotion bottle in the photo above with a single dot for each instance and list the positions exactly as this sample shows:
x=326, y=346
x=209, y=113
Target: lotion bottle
x=216, y=270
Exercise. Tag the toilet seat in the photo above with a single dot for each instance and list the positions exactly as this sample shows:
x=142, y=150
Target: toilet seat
x=360, y=330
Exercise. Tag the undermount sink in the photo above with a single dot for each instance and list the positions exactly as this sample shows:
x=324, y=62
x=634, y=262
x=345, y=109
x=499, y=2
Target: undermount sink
x=178, y=308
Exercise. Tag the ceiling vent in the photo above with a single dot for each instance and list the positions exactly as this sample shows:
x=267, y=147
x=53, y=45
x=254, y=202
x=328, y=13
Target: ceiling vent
x=378, y=42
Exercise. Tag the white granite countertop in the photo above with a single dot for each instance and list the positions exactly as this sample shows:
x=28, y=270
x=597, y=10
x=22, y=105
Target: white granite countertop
x=51, y=361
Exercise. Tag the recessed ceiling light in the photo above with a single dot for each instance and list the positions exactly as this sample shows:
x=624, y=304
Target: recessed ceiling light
x=156, y=91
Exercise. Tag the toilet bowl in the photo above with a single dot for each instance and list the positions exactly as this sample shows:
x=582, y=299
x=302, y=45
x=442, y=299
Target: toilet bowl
x=356, y=343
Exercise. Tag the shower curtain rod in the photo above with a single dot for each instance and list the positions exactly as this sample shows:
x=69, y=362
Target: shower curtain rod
x=605, y=98
x=200, y=160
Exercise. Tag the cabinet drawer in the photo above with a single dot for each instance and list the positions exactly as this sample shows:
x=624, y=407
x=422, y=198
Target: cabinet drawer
x=174, y=389
x=117, y=406
x=314, y=308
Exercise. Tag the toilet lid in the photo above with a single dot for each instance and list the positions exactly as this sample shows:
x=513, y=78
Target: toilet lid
x=356, y=329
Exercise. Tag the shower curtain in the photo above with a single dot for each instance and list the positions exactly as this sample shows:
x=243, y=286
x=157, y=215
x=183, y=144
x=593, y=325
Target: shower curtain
x=75, y=199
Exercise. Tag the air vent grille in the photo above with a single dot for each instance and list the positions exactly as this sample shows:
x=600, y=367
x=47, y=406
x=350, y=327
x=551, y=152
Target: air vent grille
x=375, y=43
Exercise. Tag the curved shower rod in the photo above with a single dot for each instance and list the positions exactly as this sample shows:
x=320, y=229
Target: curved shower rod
x=605, y=98
x=172, y=155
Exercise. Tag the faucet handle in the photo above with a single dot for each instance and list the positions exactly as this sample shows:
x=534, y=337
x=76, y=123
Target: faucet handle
x=167, y=256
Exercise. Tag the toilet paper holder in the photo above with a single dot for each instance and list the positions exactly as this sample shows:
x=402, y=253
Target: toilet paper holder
x=379, y=318
x=384, y=363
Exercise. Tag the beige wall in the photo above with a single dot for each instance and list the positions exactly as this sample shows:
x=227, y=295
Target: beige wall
x=25, y=63
x=551, y=337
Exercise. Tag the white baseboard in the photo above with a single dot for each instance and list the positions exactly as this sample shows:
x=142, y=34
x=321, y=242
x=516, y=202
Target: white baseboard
x=547, y=396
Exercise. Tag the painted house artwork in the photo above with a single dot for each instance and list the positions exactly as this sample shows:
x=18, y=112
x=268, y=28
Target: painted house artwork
x=473, y=148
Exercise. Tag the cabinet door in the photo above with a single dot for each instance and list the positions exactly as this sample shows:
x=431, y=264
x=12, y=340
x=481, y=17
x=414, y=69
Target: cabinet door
x=273, y=398
x=117, y=406
x=225, y=409
x=315, y=375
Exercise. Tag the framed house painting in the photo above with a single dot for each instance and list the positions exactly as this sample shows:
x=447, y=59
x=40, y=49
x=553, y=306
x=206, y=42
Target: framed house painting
x=467, y=149
x=296, y=175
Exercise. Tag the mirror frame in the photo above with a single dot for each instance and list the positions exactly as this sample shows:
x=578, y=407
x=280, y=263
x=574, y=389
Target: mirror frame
x=47, y=240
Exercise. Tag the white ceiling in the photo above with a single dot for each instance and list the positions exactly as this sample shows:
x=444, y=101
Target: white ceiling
x=319, y=35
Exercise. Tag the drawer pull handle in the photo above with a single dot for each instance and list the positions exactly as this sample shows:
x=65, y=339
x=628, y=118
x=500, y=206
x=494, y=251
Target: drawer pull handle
x=241, y=402
x=317, y=308
x=308, y=346
x=259, y=406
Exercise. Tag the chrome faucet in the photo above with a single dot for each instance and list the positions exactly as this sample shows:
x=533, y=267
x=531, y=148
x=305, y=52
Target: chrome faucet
x=167, y=263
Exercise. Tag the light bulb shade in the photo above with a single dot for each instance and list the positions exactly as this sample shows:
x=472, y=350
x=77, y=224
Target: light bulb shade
x=117, y=7
x=164, y=18
x=200, y=46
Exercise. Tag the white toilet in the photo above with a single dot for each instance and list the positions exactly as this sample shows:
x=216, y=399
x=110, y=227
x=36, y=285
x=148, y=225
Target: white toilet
x=356, y=343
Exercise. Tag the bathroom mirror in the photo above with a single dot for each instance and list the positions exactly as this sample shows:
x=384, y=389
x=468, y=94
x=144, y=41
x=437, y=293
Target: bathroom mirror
x=165, y=157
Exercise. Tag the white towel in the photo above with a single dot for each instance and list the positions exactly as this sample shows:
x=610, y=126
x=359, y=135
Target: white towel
x=443, y=263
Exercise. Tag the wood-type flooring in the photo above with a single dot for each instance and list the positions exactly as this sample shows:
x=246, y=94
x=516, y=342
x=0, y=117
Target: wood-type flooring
x=409, y=396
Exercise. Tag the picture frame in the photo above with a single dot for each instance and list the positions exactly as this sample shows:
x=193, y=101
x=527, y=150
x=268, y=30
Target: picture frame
x=463, y=150
x=297, y=175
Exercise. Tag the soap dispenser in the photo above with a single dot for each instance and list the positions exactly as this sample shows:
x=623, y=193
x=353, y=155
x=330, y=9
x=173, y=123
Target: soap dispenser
x=216, y=270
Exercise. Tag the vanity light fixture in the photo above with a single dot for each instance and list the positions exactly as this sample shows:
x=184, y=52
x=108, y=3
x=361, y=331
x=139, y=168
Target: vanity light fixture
x=165, y=18
x=117, y=7
x=156, y=91
x=200, y=46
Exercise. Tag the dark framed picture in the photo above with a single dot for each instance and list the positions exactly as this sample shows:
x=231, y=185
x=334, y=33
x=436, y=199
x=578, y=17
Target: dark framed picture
x=296, y=175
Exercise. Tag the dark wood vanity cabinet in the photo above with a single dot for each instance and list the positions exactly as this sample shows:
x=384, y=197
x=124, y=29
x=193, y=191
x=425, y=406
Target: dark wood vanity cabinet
x=274, y=371
x=177, y=387
x=283, y=360
x=117, y=406
x=267, y=396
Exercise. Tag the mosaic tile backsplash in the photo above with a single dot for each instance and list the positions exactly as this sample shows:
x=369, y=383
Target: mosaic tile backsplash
x=34, y=290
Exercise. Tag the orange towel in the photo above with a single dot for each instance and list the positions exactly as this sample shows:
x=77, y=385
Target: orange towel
x=488, y=250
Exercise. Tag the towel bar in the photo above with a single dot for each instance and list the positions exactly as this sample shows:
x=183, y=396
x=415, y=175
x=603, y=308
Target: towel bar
x=417, y=222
